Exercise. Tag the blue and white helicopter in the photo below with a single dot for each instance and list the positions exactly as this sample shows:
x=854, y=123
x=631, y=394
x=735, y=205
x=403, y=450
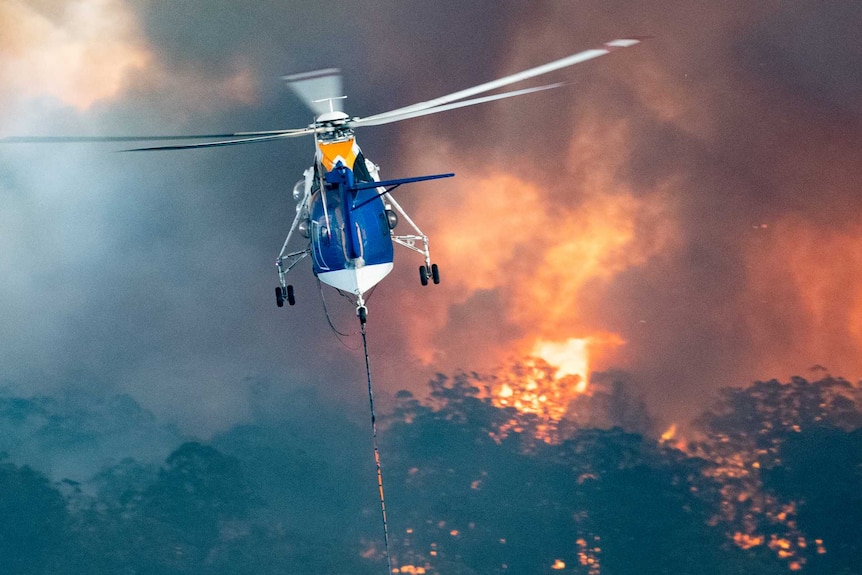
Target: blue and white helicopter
x=345, y=214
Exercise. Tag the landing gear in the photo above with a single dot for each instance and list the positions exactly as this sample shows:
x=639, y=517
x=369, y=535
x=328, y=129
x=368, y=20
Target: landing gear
x=433, y=273
x=282, y=295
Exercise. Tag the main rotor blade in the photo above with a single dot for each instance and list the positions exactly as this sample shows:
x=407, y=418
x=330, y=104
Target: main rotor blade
x=378, y=121
x=108, y=139
x=607, y=48
x=277, y=136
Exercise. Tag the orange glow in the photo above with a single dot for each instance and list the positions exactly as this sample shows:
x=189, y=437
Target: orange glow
x=746, y=541
x=589, y=556
x=533, y=387
x=803, y=274
x=542, y=249
x=558, y=565
x=669, y=433
x=569, y=357
x=546, y=384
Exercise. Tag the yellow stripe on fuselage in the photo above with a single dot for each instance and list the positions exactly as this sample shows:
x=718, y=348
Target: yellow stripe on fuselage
x=333, y=152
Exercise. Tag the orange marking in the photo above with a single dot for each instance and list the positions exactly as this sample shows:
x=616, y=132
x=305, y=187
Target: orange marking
x=331, y=152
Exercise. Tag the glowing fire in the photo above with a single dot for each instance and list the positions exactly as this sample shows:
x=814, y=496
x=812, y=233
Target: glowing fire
x=669, y=433
x=570, y=357
x=544, y=385
x=537, y=254
x=533, y=388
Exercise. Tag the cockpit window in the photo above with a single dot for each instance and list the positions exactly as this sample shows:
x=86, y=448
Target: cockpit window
x=360, y=170
x=336, y=135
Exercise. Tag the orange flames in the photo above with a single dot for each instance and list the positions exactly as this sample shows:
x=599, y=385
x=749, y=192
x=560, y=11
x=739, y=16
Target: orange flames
x=545, y=385
x=668, y=434
x=570, y=357
x=547, y=250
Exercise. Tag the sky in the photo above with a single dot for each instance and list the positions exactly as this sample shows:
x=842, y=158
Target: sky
x=688, y=207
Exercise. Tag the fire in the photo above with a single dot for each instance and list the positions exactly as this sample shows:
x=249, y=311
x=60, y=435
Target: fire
x=533, y=257
x=747, y=541
x=570, y=357
x=669, y=433
x=530, y=258
x=532, y=388
x=545, y=385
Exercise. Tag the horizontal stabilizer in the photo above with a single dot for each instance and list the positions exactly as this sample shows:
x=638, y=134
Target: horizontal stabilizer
x=391, y=185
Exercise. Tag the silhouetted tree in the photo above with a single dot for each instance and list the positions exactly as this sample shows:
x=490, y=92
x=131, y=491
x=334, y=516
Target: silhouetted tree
x=602, y=499
x=33, y=521
x=774, y=447
x=821, y=470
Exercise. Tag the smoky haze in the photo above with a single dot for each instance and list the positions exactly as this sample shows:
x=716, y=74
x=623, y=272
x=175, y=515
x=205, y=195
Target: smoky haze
x=693, y=197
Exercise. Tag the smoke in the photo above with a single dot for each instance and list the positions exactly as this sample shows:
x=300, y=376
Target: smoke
x=74, y=52
x=692, y=197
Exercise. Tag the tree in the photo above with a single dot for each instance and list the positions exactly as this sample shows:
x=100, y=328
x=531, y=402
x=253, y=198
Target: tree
x=821, y=470
x=785, y=456
x=602, y=500
x=33, y=521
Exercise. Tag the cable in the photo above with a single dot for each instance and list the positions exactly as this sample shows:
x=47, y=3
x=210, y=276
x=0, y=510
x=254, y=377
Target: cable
x=338, y=334
x=376, y=451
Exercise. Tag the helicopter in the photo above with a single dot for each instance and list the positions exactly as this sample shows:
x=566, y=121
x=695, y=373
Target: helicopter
x=345, y=213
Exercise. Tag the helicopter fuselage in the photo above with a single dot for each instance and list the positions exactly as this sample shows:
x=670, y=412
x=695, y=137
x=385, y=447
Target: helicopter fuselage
x=345, y=211
x=349, y=230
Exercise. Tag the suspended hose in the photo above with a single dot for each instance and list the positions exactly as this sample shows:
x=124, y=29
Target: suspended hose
x=329, y=318
x=376, y=451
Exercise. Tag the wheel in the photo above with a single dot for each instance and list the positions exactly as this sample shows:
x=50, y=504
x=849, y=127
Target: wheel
x=290, y=297
x=279, y=297
x=435, y=273
x=423, y=275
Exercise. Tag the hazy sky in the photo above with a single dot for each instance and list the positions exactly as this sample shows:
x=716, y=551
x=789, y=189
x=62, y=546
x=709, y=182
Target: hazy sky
x=691, y=203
